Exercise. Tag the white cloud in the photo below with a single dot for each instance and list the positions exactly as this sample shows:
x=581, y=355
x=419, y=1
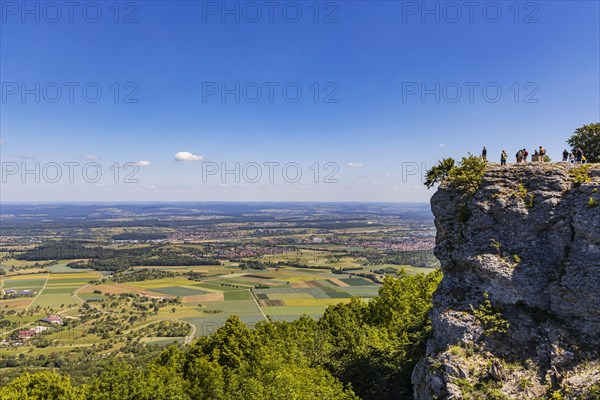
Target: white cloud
x=143, y=163
x=356, y=164
x=89, y=157
x=441, y=145
x=187, y=156
x=2, y=141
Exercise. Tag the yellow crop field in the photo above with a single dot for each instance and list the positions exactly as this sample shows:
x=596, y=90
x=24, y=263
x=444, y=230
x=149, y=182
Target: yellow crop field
x=78, y=275
x=204, y=297
x=27, y=277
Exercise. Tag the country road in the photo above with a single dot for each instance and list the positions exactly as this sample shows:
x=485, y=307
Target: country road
x=258, y=305
x=40, y=292
x=75, y=294
x=190, y=337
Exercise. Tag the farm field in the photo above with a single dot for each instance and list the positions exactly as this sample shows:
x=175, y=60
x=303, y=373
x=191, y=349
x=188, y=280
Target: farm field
x=52, y=289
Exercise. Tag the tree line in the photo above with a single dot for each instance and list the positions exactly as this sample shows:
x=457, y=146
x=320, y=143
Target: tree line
x=120, y=259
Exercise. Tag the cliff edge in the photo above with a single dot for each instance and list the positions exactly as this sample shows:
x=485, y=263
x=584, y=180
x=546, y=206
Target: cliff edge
x=517, y=315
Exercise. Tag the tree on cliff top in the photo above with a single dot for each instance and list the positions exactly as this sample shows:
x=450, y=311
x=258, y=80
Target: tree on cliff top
x=439, y=172
x=466, y=176
x=588, y=139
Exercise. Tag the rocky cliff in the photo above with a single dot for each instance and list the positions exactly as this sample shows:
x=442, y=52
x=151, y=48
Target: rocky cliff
x=528, y=241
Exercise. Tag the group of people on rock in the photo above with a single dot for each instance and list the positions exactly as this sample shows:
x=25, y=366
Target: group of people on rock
x=521, y=155
x=576, y=157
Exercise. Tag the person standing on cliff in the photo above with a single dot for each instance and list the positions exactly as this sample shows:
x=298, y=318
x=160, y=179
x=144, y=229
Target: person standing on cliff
x=525, y=155
x=565, y=155
x=578, y=155
x=503, y=157
x=484, y=154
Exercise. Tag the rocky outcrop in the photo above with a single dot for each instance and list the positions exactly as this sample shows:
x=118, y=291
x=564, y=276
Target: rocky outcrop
x=529, y=238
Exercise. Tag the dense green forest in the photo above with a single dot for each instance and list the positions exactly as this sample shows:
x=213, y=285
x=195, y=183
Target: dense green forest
x=141, y=275
x=356, y=350
x=124, y=263
x=417, y=258
x=108, y=259
x=64, y=250
x=140, y=236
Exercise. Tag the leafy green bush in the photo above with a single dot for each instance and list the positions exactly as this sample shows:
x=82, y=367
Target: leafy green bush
x=490, y=318
x=469, y=174
x=521, y=191
x=488, y=390
x=556, y=395
x=580, y=174
x=523, y=194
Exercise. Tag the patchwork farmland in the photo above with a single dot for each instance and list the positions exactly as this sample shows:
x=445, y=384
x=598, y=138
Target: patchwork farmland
x=201, y=306
x=284, y=294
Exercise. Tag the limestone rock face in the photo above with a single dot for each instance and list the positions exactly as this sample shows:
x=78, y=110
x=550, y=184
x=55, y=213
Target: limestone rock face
x=529, y=238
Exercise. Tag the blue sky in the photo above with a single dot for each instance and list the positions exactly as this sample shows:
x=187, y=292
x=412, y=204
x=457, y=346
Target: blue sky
x=361, y=68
